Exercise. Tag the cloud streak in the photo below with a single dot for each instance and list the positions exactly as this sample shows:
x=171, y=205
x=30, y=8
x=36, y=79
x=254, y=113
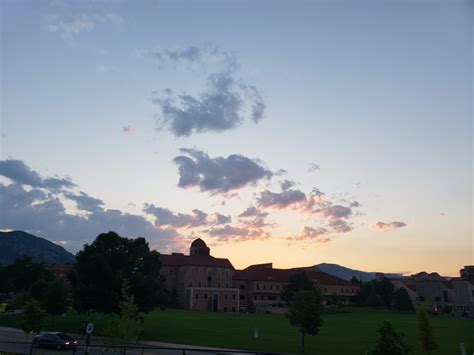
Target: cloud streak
x=384, y=226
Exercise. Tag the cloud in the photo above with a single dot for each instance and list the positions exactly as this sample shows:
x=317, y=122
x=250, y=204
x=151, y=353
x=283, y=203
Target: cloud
x=339, y=226
x=252, y=211
x=287, y=184
x=230, y=233
x=388, y=225
x=85, y=202
x=127, y=130
x=218, y=175
x=69, y=27
x=280, y=200
x=334, y=212
x=223, y=105
x=317, y=235
x=222, y=219
x=103, y=69
x=165, y=217
x=18, y=172
x=313, y=167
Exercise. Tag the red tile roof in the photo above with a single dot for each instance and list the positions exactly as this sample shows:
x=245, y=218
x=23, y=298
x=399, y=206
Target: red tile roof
x=253, y=273
x=194, y=260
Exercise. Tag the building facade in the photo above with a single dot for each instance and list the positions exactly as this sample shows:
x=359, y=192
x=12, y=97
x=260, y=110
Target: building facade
x=201, y=282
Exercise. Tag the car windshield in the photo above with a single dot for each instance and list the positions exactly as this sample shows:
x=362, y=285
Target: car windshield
x=63, y=336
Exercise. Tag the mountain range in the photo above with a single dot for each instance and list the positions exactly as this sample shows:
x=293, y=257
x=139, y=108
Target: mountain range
x=16, y=244
x=347, y=273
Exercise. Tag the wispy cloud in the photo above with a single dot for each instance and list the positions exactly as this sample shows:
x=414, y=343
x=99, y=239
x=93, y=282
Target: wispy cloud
x=224, y=104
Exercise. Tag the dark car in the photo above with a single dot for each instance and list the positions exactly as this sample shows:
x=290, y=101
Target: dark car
x=54, y=340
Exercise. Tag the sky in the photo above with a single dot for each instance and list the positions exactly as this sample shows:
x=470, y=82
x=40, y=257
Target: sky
x=292, y=132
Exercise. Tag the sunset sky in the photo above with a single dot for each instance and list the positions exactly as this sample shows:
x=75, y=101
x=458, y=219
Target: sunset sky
x=292, y=132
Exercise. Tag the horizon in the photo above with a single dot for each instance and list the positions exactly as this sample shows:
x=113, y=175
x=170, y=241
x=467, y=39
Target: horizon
x=335, y=133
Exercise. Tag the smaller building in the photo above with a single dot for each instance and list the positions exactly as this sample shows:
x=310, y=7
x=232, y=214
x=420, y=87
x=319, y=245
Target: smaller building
x=200, y=281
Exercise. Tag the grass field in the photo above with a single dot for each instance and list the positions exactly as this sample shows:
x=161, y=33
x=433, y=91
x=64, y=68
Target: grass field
x=348, y=332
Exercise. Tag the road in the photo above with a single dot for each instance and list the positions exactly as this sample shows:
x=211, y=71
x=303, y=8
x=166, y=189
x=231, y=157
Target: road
x=10, y=337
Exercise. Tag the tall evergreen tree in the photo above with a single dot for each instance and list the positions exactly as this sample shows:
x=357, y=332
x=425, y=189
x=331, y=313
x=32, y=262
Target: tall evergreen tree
x=390, y=342
x=425, y=331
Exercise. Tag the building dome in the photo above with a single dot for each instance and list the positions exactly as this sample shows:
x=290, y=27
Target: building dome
x=199, y=247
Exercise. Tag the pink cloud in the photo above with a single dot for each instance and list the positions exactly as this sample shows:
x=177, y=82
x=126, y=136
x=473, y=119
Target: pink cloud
x=127, y=130
x=383, y=226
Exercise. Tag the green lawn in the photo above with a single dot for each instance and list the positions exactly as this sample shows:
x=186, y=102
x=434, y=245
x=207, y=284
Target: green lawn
x=351, y=331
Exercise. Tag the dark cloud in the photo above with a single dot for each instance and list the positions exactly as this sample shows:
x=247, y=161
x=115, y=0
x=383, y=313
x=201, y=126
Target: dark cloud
x=165, y=217
x=280, y=200
x=222, y=219
x=252, y=211
x=287, y=184
x=44, y=215
x=334, y=212
x=388, y=225
x=223, y=105
x=85, y=202
x=313, y=167
x=230, y=233
x=218, y=175
x=339, y=226
x=18, y=172
x=317, y=235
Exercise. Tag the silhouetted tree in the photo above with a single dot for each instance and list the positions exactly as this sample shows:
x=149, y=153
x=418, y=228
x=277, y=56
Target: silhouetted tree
x=390, y=342
x=374, y=299
x=297, y=282
x=53, y=296
x=22, y=274
x=425, y=331
x=402, y=300
x=385, y=289
x=101, y=268
x=305, y=312
x=32, y=319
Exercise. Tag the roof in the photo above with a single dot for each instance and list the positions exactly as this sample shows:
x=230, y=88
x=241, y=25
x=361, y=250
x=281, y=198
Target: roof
x=253, y=273
x=194, y=260
x=198, y=243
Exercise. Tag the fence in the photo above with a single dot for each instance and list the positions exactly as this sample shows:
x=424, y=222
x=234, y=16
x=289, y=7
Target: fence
x=14, y=347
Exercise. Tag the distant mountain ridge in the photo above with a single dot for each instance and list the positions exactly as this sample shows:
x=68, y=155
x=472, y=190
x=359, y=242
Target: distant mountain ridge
x=16, y=244
x=347, y=273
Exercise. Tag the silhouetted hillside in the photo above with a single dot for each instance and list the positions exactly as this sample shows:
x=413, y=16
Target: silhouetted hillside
x=347, y=273
x=16, y=244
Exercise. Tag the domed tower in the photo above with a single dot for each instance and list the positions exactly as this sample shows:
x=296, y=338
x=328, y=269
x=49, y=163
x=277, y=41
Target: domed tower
x=198, y=247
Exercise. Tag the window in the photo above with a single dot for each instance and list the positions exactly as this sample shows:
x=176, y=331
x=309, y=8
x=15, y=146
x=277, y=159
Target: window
x=242, y=287
x=190, y=284
x=437, y=299
x=199, y=284
x=205, y=296
x=196, y=296
x=278, y=288
x=421, y=299
x=352, y=290
x=225, y=296
x=271, y=287
x=255, y=297
x=264, y=287
x=241, y=297
x=171, y=271
x=219, y=284
x=258, y=287
x=233, y=296
x=272, y=298
x=233, y=309
x=225, y=309
x=226, y=285
x=261, y=298
x=342, y=290
x=445, y=296
x=325, y=289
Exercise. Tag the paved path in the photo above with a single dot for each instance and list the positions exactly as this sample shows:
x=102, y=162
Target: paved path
x=16, y=335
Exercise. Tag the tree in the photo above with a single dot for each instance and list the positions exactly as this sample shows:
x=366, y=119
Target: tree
x=53, y=296
x=126, y=326
x=32, y=319
x=297, y=282
x=101, y=268
x=390, y=342
x=402, y=300
x=385, y=289
x=374, y=299
x=22, y=274
x=425, y=331
x=305, y=312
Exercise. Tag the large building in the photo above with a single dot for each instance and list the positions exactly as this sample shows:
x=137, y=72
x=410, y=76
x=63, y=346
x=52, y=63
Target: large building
x=453, y=296
x=202, y=282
